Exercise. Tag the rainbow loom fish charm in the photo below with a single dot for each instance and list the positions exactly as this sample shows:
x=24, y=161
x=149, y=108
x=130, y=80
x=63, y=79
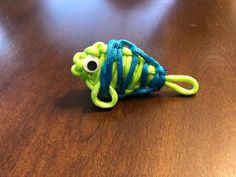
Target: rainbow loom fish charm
x=119, y=68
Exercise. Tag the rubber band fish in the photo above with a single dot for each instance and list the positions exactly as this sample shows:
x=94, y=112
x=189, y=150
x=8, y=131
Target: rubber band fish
x=119, y=69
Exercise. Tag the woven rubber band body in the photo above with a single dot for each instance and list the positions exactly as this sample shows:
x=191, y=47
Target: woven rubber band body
x=114, y=52
x=123, y=69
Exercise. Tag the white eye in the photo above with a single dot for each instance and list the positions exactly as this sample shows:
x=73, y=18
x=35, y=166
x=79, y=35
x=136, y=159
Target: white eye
x=91, y=64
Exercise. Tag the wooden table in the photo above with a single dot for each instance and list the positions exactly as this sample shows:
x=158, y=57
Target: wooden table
x=50, y=127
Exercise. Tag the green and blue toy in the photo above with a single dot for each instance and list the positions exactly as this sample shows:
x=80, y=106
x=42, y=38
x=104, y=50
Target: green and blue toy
x=119, y=69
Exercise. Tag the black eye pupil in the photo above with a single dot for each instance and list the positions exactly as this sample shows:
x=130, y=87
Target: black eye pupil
x=92, y=65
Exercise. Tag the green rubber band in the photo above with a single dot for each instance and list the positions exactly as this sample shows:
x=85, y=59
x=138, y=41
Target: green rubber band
x=170, y=79
x=102, y=104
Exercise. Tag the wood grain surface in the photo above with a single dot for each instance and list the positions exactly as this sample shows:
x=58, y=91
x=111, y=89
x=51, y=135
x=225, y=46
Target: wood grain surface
x=48, y=124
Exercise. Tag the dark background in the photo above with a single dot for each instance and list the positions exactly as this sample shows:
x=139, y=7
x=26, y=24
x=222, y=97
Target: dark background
x=48, y=124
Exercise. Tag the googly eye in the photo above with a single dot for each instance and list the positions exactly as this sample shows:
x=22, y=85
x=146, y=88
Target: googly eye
x=91, y=64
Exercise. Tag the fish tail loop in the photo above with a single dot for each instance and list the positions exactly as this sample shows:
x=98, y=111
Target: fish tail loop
x=171, y=82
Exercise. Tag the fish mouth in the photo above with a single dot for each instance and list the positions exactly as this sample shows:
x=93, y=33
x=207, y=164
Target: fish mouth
x=77, y=69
